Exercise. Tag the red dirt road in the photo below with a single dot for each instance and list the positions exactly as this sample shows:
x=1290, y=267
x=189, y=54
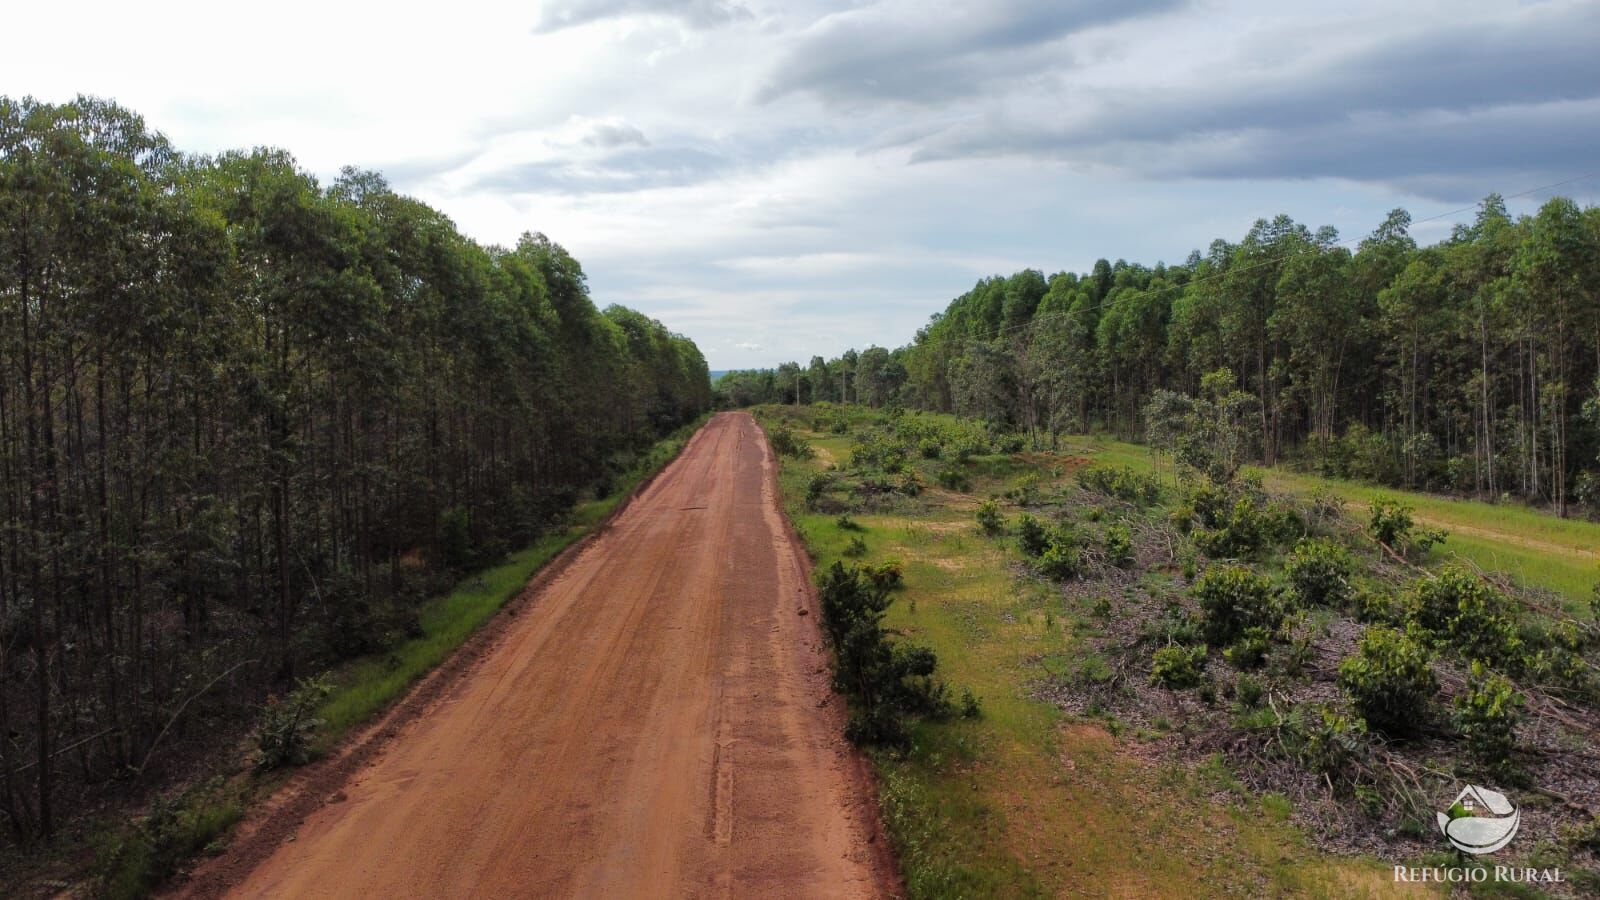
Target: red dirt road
x=654, y=722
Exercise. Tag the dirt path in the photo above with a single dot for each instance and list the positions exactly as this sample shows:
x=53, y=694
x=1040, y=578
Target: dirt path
x=655, y=722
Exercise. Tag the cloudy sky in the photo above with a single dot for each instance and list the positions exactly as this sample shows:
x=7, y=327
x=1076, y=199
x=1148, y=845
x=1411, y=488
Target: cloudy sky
x=781, y=179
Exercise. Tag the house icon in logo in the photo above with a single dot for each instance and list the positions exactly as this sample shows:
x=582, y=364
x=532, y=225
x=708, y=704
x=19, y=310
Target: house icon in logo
x=1480, y=820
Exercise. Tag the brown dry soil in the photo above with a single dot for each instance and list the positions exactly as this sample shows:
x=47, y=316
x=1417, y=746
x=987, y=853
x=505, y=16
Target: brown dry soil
x=653, y=720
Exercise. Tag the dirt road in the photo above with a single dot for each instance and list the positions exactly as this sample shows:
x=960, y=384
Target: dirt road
x=655, y=722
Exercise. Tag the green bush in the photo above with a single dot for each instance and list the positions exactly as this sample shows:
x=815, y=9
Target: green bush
x=1250, y=649
x=786, y=443
x=930, y=448
x=1458, y=607
x=953, y=479
x=1331, y=744
x=283, y=737
x=135, y=861
x=1122, y=483
x=1391, y=524
x=1033, y=536
x=856, y=548
x=887, y=575
x=817, y=488
x=888, y=683
x=1390, y=680
x=1319, y=570
x=1119, y=546
x=990, y=519
x=1178, y=667
x=1234, y=599
x=1486, y=715
x=1063, y=558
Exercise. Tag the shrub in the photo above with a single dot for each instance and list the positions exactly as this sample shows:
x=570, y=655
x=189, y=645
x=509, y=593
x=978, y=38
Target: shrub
x=1391, y=525
x=887, y=575
x=1063, y=559
x=1462, y=609
x=910, y=483
x=284, y=735
x=1033, y=537
x=1390, y=680
x=1250, y=650
x=1119, y=546
x=990, y=519
x=1319, y=571
x=887, y=682
x=857, y=547
x=1233, y=599
x=1331, y=744
x=846, y=523
x=1178, y=667
x=817, y=488
x=786, y=443
x=930, y=448
x=136, y=861
x=954, y=479
x=1487, y=715
x=1122, y=483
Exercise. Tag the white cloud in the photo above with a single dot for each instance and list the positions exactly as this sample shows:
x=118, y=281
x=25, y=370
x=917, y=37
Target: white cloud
x=748, y=171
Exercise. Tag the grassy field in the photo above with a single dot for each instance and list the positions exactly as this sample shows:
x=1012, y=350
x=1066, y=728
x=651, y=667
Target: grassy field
x=1027, y=801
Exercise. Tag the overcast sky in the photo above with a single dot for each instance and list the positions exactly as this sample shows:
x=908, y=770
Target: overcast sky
x=781, y=179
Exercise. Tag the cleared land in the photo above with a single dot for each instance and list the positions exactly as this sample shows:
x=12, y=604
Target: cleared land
x=655, y=722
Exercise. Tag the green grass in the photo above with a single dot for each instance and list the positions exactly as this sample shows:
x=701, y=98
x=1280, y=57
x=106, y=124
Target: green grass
x=369, y=685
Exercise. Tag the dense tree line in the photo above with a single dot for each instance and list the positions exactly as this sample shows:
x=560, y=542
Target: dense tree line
x=248, y=422
x=1469, y=365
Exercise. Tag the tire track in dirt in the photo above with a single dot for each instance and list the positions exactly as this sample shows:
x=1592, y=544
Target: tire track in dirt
x=656, y=721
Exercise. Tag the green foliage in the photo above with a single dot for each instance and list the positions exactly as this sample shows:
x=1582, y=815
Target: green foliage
x=136, y=860
x=1063, y=559
x=817, y=488
x=1460, y=608
x=888, y=575
x=1486, y=715
x=1033, y=536
x=1319, y=570
x=930, y=448
x=888, y=683
x=1119, y=546
x=1391, y=525
x=1213, y=433
x=953, y=479
x=455, y=537
x=785, y=442
x=1331, y=743
x=1235, y=599
x=1121, y=482
x=1390, y=680
x=989, y=518
x=1178, y=667
x=845, y=523
x=1249, y=650
x=856, y=548
x=284, y=735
